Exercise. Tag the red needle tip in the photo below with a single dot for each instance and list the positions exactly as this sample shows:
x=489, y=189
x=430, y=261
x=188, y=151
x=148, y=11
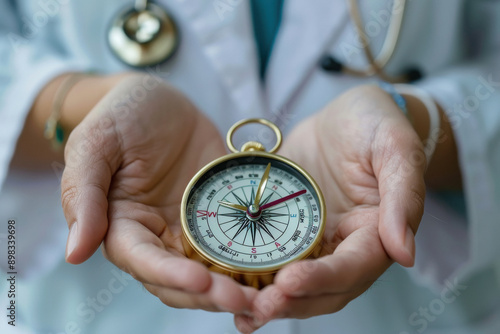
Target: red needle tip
x=283, y=199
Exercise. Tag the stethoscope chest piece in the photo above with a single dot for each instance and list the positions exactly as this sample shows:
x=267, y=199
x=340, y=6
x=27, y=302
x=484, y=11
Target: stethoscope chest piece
x=143, y=36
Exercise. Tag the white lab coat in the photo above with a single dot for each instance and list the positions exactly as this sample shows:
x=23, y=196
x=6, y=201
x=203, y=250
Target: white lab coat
x=454, y=287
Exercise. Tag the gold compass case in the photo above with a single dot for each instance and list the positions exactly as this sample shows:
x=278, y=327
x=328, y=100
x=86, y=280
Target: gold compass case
x=249, y=213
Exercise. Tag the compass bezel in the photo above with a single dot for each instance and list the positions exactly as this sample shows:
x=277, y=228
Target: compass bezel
x=230, y=161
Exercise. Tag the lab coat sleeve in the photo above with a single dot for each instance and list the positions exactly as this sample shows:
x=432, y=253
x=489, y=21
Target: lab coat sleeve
x=29, y=59
x=470, y=94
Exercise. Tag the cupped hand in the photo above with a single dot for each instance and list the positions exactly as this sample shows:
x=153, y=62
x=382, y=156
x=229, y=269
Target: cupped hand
x=370, y=164
x=127, y=165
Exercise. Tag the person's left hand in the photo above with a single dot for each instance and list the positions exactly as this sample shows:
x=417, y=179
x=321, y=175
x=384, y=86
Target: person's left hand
x=369, y=163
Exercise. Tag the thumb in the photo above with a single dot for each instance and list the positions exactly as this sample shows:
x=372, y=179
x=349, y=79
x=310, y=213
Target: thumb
x=90, y=165
x=402, y=193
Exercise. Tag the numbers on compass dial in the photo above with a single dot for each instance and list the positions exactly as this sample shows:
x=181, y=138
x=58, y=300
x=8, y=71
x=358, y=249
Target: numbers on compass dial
x=256, y=214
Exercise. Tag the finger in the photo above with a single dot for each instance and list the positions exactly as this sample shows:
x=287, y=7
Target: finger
x=272, y=303
x=135, y=249
x=400, y=173
x=358, y=261
x=224, y=295
x=245, y=324
x=84, y=188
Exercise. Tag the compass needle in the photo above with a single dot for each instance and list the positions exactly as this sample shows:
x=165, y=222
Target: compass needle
x=283, y=199
x=265, y=200
x=232, y=214
x=262, y=186
x=241, y=213
x=232, y=206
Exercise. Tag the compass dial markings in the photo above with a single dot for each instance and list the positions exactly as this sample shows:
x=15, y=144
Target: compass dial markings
x=259, y=229
x=264, y=228
x=268, y=223
x=253, y=232
x=277, y=221
x=239, y=239
x=238, y=214
x=275, y=208
x=246, y=233
x=252, y=195
x=236, y=224
x=265, y=200
x=242, y=227
x=272, y=214
x=239, y=199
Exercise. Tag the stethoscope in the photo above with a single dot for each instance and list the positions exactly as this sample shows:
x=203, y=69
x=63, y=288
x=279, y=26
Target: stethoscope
x=146, y=35
x=376, y=64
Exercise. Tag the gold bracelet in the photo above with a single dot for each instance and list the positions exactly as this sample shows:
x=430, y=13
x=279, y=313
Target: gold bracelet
x=53, y=128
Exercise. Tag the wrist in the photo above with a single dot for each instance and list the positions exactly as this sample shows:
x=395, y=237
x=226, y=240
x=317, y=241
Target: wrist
x=32, y=147
x=84, y=95
x=443, y=170
x=428, y=114
x=420, y=110
x=419, y=116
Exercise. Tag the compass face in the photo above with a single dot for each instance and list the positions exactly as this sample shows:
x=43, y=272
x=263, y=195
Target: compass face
x=222, y=223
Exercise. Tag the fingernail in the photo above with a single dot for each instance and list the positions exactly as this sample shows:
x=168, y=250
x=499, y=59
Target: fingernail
x=247, y=313
x=72, y=239
x=224, y=309
x=410, y=242
x=257, y=321
x=243, y=325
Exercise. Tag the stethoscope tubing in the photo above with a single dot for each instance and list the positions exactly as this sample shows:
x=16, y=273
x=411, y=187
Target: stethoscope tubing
x=377, y=64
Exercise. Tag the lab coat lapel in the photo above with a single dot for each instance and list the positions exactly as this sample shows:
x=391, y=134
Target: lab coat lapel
x=307, y=29
x=225, y=32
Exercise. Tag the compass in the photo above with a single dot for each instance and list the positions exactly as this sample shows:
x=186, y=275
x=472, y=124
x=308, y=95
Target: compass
x=249, y=213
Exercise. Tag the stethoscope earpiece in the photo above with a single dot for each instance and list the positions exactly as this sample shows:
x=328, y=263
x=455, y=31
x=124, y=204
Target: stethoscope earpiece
x=144, y=35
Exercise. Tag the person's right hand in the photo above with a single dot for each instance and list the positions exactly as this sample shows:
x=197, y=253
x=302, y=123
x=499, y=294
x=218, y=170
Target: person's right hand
x=127, y=165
